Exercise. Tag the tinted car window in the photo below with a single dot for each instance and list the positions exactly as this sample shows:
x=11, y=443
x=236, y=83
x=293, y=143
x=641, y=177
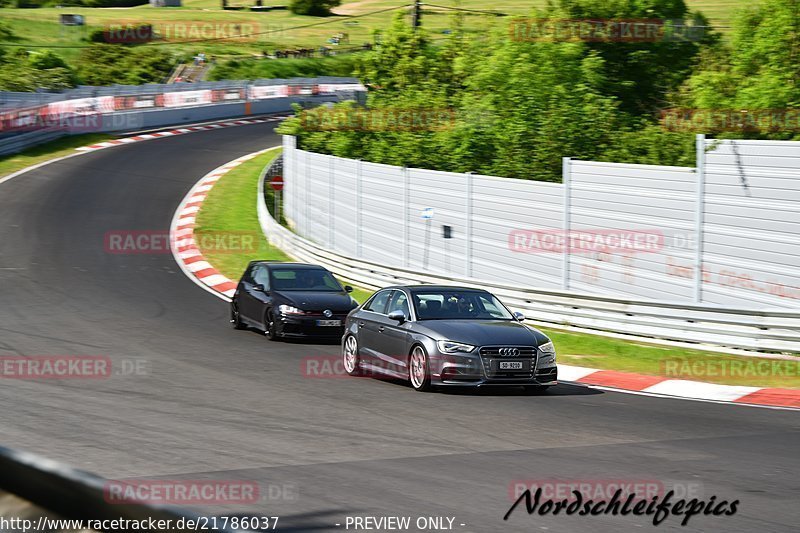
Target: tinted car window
x=261, y=276
x=378, y=302
x=399, y=303
x=458, y=304
x=304, y=279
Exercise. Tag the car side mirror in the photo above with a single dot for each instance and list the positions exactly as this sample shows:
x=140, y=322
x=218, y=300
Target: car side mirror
x=519, y=316
x=258, y=287
x=397, y=315
x=348, y=288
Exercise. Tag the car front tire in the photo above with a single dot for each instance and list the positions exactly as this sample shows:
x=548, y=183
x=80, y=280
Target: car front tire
x=419, y=369
x=271, y=329
x=236, y=319
x=350, y=358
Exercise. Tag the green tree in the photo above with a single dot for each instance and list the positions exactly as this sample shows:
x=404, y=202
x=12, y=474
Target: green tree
x=759, y=70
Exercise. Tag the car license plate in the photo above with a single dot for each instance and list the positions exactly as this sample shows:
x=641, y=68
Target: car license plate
x=329, y=322
x=510, y=365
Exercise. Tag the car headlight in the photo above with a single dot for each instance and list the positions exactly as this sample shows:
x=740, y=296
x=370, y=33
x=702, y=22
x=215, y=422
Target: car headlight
x=290, y=310
x=548, y=352
x=454, y=347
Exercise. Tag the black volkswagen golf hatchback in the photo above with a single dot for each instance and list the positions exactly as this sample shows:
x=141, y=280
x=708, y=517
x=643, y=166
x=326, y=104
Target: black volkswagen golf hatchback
x=291, y=300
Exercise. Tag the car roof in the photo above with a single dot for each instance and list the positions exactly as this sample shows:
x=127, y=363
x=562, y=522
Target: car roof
x=434, y=288
x=279, y=264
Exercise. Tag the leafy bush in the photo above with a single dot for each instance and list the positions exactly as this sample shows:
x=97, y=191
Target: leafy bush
x=315, y=8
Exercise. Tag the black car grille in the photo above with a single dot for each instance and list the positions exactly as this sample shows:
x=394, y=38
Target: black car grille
x=492, y=355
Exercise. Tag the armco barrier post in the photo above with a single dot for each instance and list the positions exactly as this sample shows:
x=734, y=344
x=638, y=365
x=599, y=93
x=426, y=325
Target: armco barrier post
x=566, y=170
x=700, y=147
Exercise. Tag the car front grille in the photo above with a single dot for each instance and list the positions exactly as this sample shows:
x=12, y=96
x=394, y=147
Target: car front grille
x=492, y=355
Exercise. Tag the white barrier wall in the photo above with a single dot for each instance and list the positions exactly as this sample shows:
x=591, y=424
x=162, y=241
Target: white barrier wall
x=751, y=230
x=658, y=201
x=742, y=204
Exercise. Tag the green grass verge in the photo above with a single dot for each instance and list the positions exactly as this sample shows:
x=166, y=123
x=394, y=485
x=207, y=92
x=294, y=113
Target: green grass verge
x=596, y=351
x=231, y=207
x=38, y=154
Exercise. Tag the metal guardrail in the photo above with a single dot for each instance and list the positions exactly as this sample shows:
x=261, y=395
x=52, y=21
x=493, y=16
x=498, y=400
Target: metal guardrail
x=45, y=488
x=747, y=329
x=21, y=141
x=71, y=493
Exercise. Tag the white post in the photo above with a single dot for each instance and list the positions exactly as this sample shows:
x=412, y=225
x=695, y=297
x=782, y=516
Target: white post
x=406, y=216
x=358, y=209
x=305, y=194
x=331, y=203
x=566, y=170
x=699, y=209
x=468, y=253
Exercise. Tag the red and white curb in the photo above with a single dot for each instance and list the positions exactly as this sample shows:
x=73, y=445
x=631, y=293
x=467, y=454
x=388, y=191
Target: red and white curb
x=177, y=131
x=181, y=233
x=680, y=388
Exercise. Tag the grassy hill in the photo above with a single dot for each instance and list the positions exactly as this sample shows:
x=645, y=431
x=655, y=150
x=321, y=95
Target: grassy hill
x=278, y=29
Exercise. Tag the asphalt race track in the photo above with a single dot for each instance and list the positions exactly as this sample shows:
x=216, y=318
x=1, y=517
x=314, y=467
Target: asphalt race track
x=212, y=402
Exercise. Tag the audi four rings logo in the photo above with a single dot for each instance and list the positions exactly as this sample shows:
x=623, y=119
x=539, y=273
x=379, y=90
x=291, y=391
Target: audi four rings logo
x=510, y=352
x=328, y=313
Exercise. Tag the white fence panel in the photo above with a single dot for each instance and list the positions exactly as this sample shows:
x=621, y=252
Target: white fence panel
x=751, y=235
x=655, y=202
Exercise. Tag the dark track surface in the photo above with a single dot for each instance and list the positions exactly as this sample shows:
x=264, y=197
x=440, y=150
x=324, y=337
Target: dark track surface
x=229, y=404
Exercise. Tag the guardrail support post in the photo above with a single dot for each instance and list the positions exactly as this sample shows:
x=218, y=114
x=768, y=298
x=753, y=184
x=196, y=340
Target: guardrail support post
x=699, y=208
x=566, y=170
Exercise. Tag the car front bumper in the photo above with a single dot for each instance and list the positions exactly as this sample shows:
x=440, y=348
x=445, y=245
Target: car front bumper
x=473, y=370
x=306, y=327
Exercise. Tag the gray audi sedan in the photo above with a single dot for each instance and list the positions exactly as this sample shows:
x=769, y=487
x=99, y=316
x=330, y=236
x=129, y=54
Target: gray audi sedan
x=446, y=336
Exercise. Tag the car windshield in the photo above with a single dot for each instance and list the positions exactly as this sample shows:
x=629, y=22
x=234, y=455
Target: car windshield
x=450, y=305
x=304, y=279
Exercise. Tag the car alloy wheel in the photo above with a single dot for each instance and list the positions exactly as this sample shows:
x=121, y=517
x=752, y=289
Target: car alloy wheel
x=350, y=356
x=418, y=373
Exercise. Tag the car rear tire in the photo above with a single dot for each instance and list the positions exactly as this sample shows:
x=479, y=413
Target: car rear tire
x=419, y=370
x=350, y=358
x=236, y=320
